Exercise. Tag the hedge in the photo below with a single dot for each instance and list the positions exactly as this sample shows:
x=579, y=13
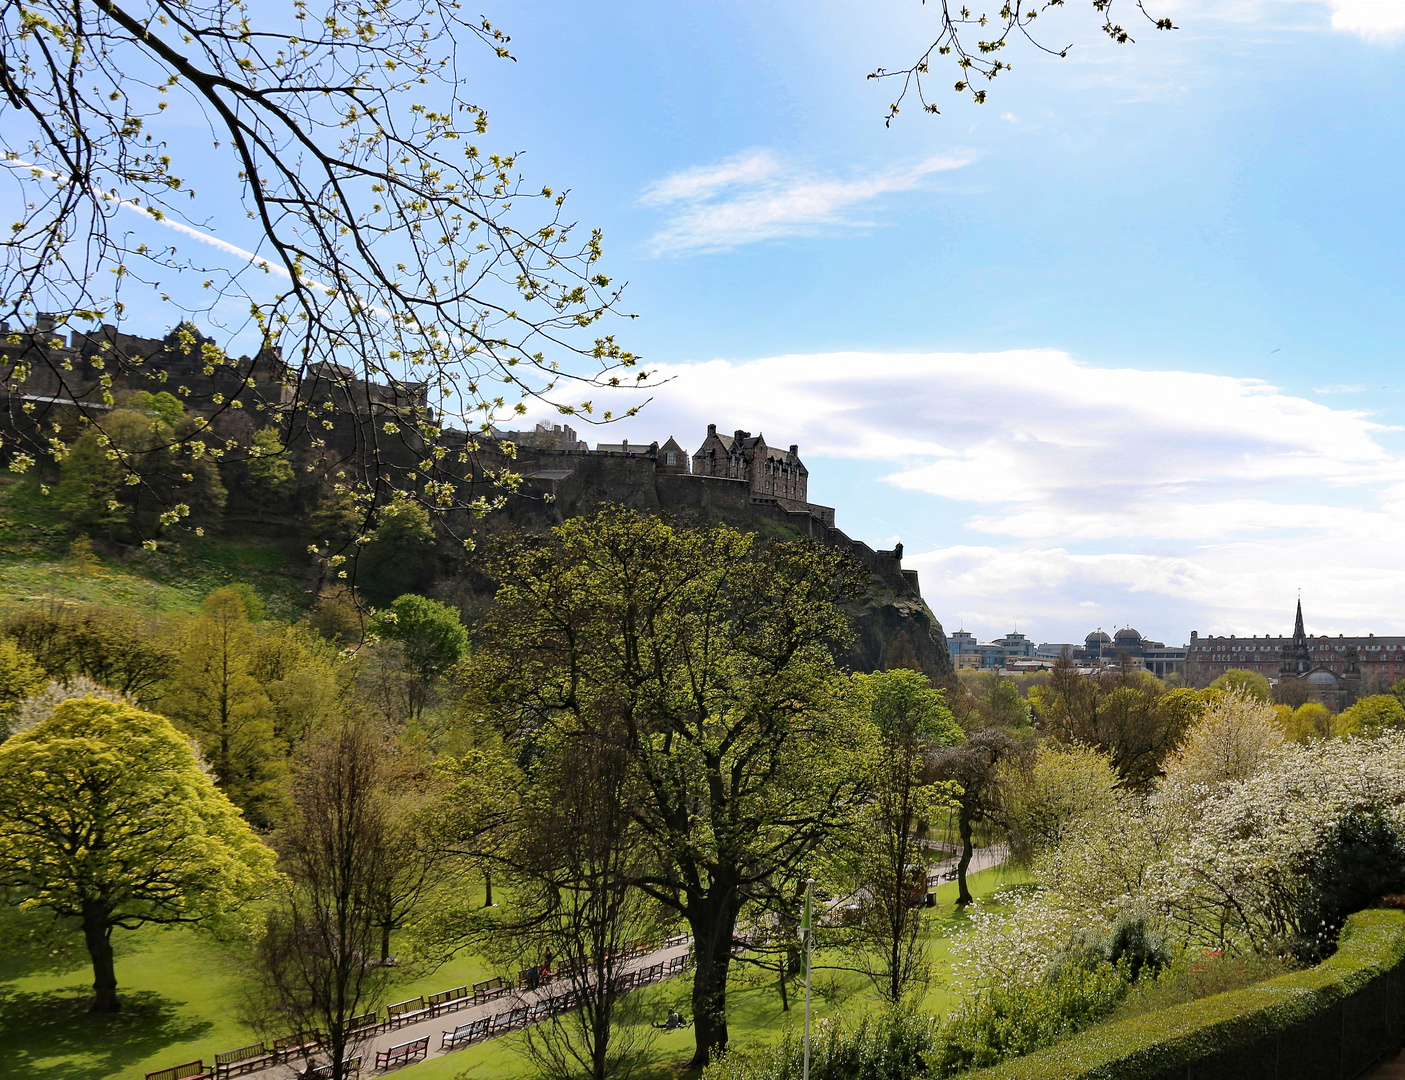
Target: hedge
x=1331, y=1022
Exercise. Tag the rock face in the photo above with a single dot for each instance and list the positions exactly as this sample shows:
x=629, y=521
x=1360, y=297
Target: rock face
x=893, y=626
x=898, y=632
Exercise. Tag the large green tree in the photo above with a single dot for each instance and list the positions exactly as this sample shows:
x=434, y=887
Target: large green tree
x=138, y=475
x=887, y=863
x=107, y=819
x=432, y=637
x=712, y=655
x=1128, y=715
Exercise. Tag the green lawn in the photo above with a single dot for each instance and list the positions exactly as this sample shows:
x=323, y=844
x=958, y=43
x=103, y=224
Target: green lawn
x=754, y=1009
x=183, y=997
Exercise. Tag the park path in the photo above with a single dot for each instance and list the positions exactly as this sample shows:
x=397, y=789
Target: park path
x=434, y=1027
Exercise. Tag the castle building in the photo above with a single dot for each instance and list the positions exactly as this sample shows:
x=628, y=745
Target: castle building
x=772, y=473
x=1313, y=667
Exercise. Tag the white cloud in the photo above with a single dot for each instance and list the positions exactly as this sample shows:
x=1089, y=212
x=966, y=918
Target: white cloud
x=705, y=181
x=1370, y=19
x=1063, y=493
x=756, y=197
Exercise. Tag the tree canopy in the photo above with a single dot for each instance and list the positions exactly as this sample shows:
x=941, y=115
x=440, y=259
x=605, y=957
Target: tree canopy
x=386, y=242
x=107, y=818
x=711, y=657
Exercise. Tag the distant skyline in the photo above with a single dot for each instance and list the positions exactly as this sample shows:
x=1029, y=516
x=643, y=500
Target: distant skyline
x=1122, y=345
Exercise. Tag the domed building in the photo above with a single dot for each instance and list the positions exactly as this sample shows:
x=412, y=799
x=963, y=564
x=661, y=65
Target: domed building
x=1127, y=648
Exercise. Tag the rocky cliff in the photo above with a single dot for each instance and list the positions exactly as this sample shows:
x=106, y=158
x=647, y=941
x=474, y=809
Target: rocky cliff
x=893, y=625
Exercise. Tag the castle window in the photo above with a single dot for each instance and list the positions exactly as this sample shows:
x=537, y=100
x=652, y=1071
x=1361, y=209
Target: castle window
x=671, y=458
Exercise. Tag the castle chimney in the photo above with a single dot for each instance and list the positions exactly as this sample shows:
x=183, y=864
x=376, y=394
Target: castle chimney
x=794, y=449
x=739, y=434
x=44, y=323
x=711, y=429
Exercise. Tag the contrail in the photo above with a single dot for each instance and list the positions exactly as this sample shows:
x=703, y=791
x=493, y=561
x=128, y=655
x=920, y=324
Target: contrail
x=170, y=223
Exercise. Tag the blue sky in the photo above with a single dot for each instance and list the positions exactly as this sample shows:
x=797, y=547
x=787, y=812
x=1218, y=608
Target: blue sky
x=1122, y=345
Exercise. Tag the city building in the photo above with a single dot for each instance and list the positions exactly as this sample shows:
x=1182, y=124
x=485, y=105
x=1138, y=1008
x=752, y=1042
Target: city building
x=1312, y=667
x=997, y=655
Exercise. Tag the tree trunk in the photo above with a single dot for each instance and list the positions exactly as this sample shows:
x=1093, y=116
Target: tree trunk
x=713, y=924
x=963, y=897
x=488, y=885
x=385, y=943
x=97, y=934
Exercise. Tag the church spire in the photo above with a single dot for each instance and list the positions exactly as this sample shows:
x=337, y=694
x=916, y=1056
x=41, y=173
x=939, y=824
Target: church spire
x=1297, y=657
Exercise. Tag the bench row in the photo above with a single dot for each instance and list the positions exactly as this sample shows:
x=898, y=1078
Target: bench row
x=260, y=1055
x=257, y=1055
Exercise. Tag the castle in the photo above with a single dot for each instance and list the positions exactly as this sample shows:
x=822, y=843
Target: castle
x=329, y=417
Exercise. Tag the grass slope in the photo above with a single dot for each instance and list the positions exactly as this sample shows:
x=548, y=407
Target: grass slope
x=34, y=564
x=183, y=998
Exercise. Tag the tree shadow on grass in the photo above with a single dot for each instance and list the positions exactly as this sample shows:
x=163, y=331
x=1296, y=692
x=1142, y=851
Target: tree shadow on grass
x=52, y=1036
x=33, y=943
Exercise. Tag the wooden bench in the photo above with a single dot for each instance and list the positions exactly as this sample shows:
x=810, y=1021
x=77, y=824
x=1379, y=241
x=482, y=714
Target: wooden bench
x=245, y=1059
x=465, y=1034
x=364, y=1021
x=407, y=1011
x=449, y=1000
x=490, y=988
x=324, y=1072
x=180, y=1072
x=677, y=964
x=290, y=1046
x=403, y=1054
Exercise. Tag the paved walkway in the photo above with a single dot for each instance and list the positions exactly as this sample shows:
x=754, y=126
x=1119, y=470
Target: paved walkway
x=447, y=1021
x=982, y=859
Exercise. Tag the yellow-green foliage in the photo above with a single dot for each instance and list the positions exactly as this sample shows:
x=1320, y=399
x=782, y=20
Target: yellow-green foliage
x=1311, y=720
x=1165, y=1043
x=1372, y=715
x=1060, y=790
x=104, y=803
x=20, y=676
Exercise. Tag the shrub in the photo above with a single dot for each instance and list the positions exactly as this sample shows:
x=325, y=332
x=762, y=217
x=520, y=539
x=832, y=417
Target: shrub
x=1190, y=978
x=998, y=1022
x=1234, y=1025
x=1360, y=859
x=896, y=1046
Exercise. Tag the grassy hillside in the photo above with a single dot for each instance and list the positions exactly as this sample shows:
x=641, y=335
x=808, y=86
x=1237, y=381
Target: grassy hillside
x=35, y=563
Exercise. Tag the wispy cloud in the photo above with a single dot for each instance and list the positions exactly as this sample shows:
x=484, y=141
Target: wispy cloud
x=1340, y=388
x=756, y=196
